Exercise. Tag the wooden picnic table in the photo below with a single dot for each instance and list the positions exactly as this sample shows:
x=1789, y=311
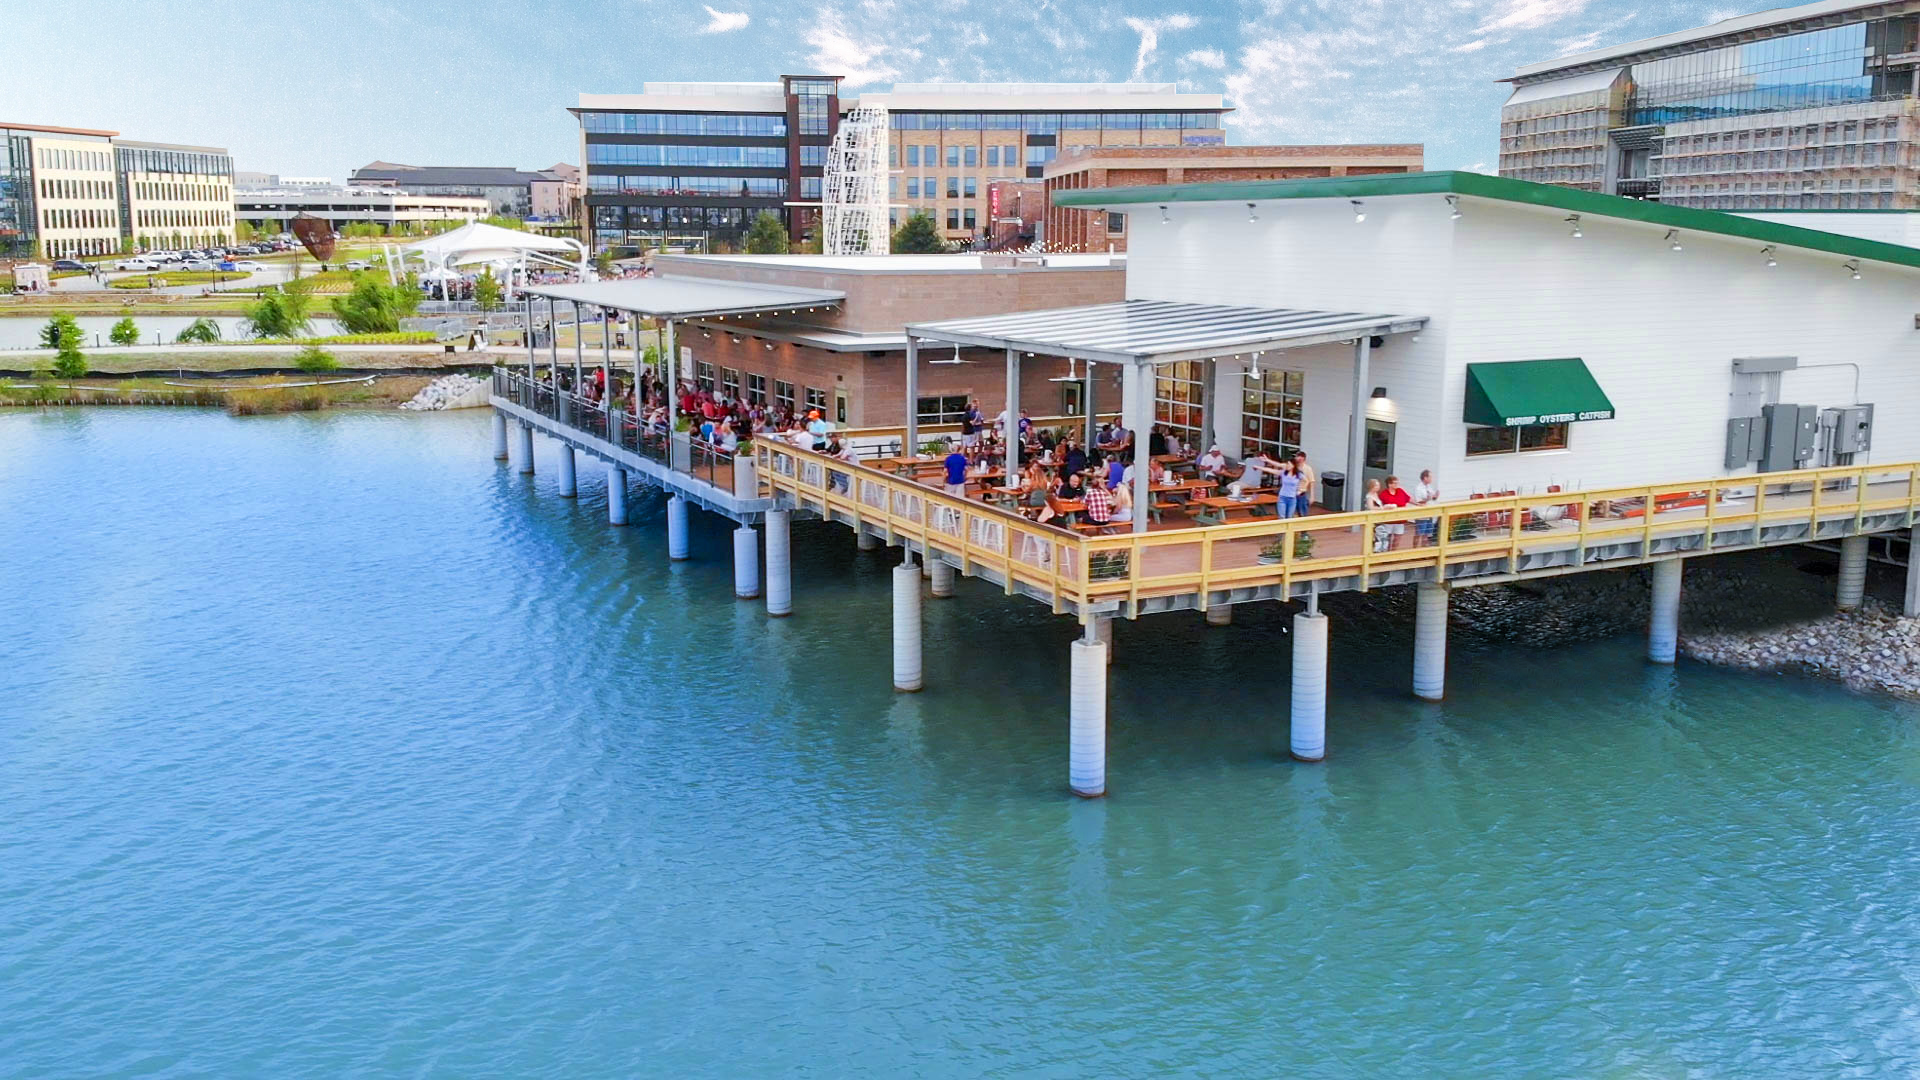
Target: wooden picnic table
x=904, y=464
x=1219, y=509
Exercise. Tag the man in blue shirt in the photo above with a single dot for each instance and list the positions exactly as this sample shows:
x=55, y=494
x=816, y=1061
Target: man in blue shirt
x=956, y=464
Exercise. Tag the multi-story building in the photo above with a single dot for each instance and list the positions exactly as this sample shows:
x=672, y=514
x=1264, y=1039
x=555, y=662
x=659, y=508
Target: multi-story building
x=395, y=211
x=57, y=192
x=556, y=195
x=259, y=181
x=508, y=191
x=76, y=191
x=1808, y=107
x=950, y=140
x=173, y=196
x=1073, y=229
x=692, y=164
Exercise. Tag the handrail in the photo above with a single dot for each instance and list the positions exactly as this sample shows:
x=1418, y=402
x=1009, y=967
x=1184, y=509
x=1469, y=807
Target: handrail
x=1466, y=538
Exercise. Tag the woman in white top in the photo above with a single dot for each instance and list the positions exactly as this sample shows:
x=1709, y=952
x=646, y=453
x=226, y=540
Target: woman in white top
x=1122, y=503
x=1382, y=534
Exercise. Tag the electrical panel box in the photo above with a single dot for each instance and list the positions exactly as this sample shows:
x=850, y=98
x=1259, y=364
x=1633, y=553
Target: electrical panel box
x=1739, y=439
x=1792, y=436
x=1853, y=430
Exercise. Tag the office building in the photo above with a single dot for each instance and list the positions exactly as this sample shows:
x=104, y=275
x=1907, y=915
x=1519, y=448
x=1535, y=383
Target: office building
x=1073, y=229
x=68, y=192
x=394, y=211
x=555, y=196
x=509, y=192
x=259, y=181
x=690, y=165
x=1808, y=107
x=174, y=196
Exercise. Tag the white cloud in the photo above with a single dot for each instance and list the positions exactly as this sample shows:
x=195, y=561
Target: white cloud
x=1529, y=14
x=1471, y=46
x=724, y=22
x=840, y=53
x=1149, y=31
x=1207, y=58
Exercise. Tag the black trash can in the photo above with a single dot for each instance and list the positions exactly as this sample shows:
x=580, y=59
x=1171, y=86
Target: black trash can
x=1333, y=490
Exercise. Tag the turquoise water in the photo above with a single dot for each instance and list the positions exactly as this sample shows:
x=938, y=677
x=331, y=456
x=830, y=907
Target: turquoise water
x=328, y=747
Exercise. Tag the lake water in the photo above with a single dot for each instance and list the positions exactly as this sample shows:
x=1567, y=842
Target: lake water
x=24, y=333
x=329, y=747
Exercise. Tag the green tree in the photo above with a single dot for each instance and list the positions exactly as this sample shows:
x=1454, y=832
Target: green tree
x=315, y=359
x=69, y=363
x=767, y=236
x=282, y=312
x=57, y=330
x=487, y=293
x=374, y=307
x=201, y=331
x=919, y=236
x=124, y=332
x=242, y=232
x=603, y=262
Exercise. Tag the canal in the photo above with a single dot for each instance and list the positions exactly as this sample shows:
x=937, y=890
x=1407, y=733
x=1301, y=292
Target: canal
x=329, y=746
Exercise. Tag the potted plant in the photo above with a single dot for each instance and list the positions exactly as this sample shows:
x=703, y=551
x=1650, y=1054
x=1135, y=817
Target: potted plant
x=1461, y=528
x=1273, y=552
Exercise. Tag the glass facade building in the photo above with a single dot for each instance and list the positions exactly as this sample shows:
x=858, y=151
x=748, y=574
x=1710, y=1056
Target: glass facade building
x=691, y=164
x=17, y=232
x=1797, y=108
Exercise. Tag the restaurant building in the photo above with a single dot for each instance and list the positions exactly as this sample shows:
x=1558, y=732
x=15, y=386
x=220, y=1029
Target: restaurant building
x=848, y=358
x=1750, y=344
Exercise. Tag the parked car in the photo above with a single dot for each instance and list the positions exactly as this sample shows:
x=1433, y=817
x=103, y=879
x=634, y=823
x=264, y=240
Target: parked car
x=62, y=265
x=202, y=264
x=249, y=266
x=359, y=264
x=138, y=263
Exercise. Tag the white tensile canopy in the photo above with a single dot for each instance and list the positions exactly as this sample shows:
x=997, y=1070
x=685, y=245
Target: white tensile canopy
x=508, y=249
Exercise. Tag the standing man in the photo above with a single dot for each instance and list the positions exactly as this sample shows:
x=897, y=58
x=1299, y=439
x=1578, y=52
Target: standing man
x=1424, y=493
x=1309, y=480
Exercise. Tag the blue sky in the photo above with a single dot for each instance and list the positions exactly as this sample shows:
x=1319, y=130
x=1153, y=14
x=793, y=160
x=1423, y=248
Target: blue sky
x=318, y=87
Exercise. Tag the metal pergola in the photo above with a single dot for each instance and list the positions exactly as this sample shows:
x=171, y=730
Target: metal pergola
x=1141, y=334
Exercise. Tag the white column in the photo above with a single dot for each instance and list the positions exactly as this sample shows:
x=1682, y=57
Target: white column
x=746, y=563
x=1430, y=641
x=866, y=541
x=943, y=575
x=912, y=446
x=1307, y=739
x=569, y=488
x=616, y=495
x=1357, y=435
x=779, y=563
x=579, y=348
x=1853, y=573
x=1140, y=423
x=907, y=668
x=524, y=439
x=1087, y=718
x=1912, y=608
x=676, y=528
x=1011, y=431
x=499, y=435
x=1663, y=629
x=1220, y=615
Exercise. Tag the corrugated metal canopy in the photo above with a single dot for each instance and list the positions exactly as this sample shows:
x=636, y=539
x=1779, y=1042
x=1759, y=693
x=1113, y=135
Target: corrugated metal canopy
x=1159, y=332
x=688, y=298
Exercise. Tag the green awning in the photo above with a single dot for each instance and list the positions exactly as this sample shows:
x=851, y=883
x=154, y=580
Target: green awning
x=1534, y=392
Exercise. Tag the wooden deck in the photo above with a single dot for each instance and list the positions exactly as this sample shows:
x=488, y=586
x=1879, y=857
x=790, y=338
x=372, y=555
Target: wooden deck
x=1178, y=564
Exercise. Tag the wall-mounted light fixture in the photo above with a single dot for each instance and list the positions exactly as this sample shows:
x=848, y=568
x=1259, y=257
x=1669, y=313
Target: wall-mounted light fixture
x=1164, y=219
x=1853, y=266
x=1673, y=239
x=1379, y=393
x=1252, y=214
x=1453, y=204
x=1359, y=211
x=1768, y=253
x=1574, y=220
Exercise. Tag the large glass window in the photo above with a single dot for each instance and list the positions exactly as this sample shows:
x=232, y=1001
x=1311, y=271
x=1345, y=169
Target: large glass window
x=756, y=390
x=970, y=156
x=1179, y=398
x=783, y=394
x=763, y=187
x=941, y=410
x=730, y=383
x=913, y=154
x=738, y=157
x=953, y=157
x=1797, y=71
x=993, y=156
x=740, y=124
x=1270, y=408
x=813, y=155
x=968, y=187
x=814, y=104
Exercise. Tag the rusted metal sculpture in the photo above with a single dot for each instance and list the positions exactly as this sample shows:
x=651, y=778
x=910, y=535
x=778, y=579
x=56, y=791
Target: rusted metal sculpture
x=315, y=234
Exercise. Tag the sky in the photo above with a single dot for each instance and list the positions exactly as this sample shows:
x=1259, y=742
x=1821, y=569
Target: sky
x=320, y=87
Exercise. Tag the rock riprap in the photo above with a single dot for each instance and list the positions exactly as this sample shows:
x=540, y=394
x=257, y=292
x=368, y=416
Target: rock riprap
x=1869, y=649
x=449, y=392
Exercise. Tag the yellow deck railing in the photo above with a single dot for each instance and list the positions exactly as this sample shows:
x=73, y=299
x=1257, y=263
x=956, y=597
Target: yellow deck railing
x=1482, y=539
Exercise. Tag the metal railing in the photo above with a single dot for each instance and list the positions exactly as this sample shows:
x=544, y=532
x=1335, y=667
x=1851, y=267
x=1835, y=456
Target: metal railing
x=1478, y=540
x=699, y=459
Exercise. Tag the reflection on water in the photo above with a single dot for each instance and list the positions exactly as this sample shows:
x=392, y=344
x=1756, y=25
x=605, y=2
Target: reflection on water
x=329, y=746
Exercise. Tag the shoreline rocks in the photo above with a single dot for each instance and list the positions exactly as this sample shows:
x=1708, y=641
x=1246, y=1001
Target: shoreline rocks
x=1872, y=649
x=449, y=392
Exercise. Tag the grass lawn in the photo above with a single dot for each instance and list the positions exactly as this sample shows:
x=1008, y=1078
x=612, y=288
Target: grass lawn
x=170, y=278
x=263, y=392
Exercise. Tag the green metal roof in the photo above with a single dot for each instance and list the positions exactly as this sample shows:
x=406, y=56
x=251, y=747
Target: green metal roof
x=1503, y=189
x=1515, y=392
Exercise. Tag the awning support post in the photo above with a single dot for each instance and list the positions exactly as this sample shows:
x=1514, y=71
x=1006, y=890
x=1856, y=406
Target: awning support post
x=1357, y=432
x=1011, y=433
x=1139, y=413
x=912, y=448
